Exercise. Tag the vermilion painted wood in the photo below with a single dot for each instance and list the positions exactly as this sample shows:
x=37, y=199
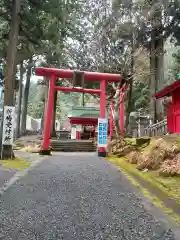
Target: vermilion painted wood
x=103, y=99
x=85, y=90
x=174, y=120
x=62, y=73
x=172, y=109
x=78, y=135
x=121, y=108
x=111, y=120
x=168, y=90
x=49, y=113
x=84, y=121
x=121, y=118
x=170, y=118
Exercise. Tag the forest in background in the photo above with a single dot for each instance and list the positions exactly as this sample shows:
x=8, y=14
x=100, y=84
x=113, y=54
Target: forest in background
x=66, y=101
x=138, y=39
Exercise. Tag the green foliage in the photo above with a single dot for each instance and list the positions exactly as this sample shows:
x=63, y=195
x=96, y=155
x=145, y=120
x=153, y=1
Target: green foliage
x=42, y=23
x=91, y=36
x=35, y=105
x=65, y=101
x=176, y=67
x=140, y=96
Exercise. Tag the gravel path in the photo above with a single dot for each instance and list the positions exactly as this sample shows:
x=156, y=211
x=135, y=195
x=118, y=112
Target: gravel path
x=77, y=197
x=5, y=175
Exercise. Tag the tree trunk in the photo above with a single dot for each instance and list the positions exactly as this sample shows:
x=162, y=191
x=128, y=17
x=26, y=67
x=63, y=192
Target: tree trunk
x=19, y=100
x=152, y=79
x=53, y=126
x=130, y=103
x=7, y=151
x=159, y=75
x=25, y=98
x=156, y=61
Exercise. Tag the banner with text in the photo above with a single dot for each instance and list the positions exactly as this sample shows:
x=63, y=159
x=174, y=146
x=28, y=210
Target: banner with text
x=102, y=132
x=8, y=125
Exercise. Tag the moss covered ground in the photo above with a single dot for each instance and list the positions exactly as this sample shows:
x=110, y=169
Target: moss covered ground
x=30, y=149
x=17, y=163
x=169, y=185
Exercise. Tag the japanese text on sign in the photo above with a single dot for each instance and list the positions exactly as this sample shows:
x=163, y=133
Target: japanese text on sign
x=102, y=132
x=8, y=125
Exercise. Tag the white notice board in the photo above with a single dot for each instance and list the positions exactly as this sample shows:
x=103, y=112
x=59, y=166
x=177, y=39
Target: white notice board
x=8, y=125
x=73, y=132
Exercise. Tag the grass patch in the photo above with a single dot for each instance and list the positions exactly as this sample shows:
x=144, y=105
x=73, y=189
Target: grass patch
x=19, y=144
x=169, y=185
x=127, y=169
x=130, y=140
x=17, y=163
x=31, y=149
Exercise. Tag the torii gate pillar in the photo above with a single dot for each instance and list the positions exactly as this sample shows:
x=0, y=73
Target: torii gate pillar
x=48, y=117
x=102, y=150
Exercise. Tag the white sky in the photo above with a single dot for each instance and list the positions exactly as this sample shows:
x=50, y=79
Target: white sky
x=35, y=78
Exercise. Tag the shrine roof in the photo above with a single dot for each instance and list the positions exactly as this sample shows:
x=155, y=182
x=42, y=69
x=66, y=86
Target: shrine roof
x=84, y=112
x=167, y=90
x=84, y=121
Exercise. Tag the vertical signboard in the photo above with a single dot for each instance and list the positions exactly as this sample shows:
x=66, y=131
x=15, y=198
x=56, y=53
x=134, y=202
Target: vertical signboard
x=102, y=132
x=73, y=132
x=8, y=125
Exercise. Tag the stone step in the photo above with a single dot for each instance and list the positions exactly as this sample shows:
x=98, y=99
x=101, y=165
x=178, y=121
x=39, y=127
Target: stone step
x=63, y=134
x=73, y=145
x=70, y=149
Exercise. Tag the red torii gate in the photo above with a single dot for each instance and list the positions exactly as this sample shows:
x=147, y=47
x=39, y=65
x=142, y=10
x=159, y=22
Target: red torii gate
x=61, y=73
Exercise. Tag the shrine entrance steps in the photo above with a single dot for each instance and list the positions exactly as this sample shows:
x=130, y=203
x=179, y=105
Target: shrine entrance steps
x=63, y=134
x=73, y=146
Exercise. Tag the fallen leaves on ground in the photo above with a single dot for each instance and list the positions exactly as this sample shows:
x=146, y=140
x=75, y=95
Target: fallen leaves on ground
x=162, y=153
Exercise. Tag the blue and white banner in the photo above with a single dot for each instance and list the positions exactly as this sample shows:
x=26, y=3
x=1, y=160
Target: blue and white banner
x=102, y=132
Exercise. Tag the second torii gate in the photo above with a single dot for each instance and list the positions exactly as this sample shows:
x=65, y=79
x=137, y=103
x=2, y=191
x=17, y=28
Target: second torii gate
x=53, y=74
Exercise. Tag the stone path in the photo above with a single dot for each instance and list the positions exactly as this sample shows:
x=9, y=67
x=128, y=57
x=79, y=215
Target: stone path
x=77, y=197
x=7, y=173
